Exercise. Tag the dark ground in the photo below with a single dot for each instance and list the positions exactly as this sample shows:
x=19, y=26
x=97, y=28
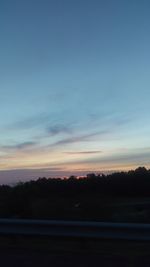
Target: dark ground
x=35, y=252
x=29, y=258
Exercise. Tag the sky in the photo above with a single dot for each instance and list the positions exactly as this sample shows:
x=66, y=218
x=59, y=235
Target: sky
x=74, y=87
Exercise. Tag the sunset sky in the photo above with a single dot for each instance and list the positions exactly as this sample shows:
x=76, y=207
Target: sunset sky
x=74, y=87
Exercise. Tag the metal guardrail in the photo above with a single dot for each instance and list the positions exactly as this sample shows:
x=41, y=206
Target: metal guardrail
x=76, y=229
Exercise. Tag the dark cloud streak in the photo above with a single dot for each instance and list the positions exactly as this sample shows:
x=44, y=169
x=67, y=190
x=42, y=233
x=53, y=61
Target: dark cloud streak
x=83, y=152
x=19, y=146
x=59, y=129
x=77, y=139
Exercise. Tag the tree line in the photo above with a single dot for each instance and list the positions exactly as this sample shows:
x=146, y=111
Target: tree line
x=83, y=198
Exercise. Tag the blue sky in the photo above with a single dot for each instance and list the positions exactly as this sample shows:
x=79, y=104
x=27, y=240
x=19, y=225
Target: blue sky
x=74, y=87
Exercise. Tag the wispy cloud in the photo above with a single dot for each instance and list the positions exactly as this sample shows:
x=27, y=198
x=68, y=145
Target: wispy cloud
x=80, y=138
x=20, y=146
x=83, y=152
x=59, y=129
x=30, y=122
x=139, y=156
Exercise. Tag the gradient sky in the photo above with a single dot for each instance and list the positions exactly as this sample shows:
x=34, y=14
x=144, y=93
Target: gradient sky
x=74, y=87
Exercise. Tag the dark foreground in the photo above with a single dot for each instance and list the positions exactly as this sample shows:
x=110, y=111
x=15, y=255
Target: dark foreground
x=32, y=258
x=43, y=252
